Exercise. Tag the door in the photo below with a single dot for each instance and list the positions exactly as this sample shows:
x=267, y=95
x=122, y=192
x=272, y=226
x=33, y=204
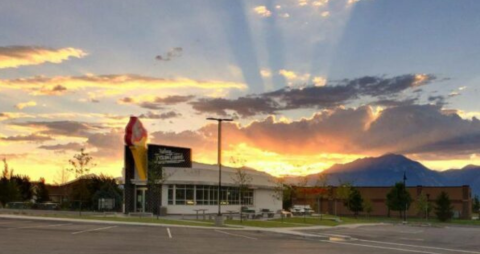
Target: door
x=140, y=199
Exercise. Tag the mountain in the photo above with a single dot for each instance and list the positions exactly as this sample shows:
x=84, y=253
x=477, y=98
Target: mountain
x=469, y=175
x=388, y=169
x=384, y=171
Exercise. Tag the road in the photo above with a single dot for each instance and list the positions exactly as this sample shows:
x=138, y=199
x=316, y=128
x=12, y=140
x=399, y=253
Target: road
x=32, y=236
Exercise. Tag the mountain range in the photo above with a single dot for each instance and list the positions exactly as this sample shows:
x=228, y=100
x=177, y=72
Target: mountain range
x=388, y=169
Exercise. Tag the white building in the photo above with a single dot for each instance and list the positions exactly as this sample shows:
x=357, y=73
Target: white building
x=190, y=189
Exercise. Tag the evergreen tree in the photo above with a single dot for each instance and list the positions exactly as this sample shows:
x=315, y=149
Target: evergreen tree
x=476, y=204
x=398, y=199
x=443, y=208
x=41, y=192
x=355, y=201
x=9, y=191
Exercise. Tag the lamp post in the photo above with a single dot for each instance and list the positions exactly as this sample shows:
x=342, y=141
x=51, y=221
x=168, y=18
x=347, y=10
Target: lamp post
x=219, y=120
x=405, y=186
x=426, y=215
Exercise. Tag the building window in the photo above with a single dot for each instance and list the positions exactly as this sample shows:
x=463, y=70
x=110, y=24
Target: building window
x=170, y=194
x=207, y=195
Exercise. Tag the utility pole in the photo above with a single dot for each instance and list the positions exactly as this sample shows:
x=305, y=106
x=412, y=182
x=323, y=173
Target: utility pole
x=219, y=220
x=405, y=186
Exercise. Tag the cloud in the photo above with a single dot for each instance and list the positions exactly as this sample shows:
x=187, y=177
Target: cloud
x=325, y=14
x=409, y=129
x=162, y=116
x=290, y=75
x=108, y=145
x=321, y=97
x=262, y=11
x=72, y=146
x=14, y=115
x=320, y=3
x=35, y=138
x=266, y=73
x=15, y=56
x=319, y=81
x=156, y=102
x=26, y=104
x=61, y=128
x=41, y=85
x=171, y=54
x=245, y=106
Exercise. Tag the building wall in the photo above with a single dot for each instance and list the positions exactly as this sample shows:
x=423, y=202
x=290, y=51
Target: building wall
x=460, y=197
x=263, y=199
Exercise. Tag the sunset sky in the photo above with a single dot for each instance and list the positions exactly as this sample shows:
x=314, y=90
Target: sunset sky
x=309, y=83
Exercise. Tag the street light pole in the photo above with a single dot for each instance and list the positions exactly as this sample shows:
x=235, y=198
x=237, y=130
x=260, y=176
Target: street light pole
x=219, y=120
x=405, y=186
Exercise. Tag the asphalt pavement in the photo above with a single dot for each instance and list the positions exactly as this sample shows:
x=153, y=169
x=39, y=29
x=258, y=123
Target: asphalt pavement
x=57, y=236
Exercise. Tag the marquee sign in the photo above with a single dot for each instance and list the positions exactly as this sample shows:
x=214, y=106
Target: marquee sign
x=170, y=156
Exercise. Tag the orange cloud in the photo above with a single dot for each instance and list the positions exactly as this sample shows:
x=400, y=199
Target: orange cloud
x=26, y=104
x=15, y=56
x=262, y=11
x=41, y=85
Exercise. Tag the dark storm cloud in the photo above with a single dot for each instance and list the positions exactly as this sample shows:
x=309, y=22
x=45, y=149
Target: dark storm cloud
x=329, y=96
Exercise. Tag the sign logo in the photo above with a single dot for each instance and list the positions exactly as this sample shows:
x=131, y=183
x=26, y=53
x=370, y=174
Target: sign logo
x=170, y=156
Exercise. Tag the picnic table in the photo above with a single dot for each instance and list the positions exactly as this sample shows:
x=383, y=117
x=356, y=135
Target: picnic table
x=200, y=210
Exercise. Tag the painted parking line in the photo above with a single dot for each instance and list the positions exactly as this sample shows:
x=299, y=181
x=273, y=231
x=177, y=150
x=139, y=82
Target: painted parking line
x=380, y=247
x=412, y=239
x=169, y=233
x=7, y=222
x=41, y=226
x=420, y=246
x=244, y=236
x=95, y=229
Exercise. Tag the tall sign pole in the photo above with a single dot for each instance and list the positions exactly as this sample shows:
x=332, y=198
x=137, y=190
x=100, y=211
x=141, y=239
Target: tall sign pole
x=219, y=120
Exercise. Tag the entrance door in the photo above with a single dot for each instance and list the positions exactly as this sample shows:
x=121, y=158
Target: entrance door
x=140, y=199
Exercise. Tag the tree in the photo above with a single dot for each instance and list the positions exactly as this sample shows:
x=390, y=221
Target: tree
x=9, y=191
x=398, y=199
x=155, y=180
x=283, y=191
x=355, y=201
x=242, y=180
x=81, y=163
x=476, y=204
x=368, y=206
x=342, y=192
x=422, y=205
x=443, y=207
x=24, y=186
x=41, y=192
x=321, y=184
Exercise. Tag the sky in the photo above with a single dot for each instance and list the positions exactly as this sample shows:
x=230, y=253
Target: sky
x=308, y=83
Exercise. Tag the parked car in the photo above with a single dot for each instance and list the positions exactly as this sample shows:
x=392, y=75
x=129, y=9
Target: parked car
x=301, y=210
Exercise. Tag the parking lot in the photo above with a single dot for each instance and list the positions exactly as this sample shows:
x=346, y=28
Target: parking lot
x=34, y=236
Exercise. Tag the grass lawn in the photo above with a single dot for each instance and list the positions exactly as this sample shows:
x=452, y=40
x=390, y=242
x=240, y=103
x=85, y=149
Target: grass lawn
x=141, y=220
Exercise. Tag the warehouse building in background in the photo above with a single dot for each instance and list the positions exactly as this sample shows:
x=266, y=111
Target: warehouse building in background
x=326, y=200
